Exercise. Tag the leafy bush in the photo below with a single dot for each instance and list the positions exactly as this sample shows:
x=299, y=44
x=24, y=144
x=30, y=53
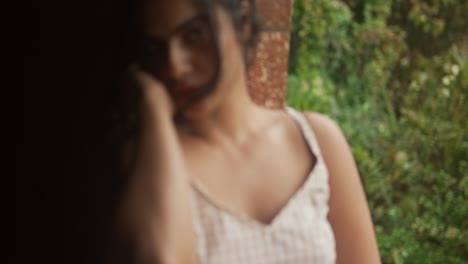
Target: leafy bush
x=394, y=75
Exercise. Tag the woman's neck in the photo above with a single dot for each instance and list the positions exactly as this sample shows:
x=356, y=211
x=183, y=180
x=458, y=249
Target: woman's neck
x=233, y=119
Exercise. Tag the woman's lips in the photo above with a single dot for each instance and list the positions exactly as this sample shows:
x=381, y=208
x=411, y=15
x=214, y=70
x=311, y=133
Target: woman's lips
x=185, y=90
x=184, y=93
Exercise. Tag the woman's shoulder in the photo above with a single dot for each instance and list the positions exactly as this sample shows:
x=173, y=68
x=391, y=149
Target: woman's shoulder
x=320, y=122
x=330, y=138
x=349, y=213
x=328, y=133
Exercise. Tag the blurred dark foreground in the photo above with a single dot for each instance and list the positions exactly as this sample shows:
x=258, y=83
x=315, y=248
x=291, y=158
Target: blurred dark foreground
x=65, y=192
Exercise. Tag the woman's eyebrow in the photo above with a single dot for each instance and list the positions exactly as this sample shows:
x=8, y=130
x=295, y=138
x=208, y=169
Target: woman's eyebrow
x=182, y=26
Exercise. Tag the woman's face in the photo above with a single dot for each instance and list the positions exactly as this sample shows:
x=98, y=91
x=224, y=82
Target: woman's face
x=180, y=41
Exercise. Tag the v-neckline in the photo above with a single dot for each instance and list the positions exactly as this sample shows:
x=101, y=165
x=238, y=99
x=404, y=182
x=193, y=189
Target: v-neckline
x=245, y=217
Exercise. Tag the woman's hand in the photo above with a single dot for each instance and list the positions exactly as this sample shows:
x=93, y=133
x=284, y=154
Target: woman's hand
x=156, y=100
x=155, y=211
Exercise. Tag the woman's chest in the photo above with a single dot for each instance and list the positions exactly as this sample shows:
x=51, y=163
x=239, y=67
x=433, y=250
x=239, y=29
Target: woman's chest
x=288, y=224
x=257, y=183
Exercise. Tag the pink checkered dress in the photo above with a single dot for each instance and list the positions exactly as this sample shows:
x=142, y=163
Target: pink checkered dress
x=300, y=233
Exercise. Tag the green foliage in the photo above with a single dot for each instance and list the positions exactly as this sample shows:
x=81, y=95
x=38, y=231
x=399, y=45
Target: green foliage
x=394, y=75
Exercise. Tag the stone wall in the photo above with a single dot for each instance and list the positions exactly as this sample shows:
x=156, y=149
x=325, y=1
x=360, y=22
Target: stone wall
x=268, y=73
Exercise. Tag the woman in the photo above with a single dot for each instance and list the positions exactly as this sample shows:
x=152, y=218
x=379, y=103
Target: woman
x=216, y=178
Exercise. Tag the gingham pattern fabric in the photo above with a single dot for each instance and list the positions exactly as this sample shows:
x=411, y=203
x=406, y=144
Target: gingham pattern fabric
x=299, y=233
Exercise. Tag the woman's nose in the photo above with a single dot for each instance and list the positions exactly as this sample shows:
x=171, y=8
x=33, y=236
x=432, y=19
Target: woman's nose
x=179, y=61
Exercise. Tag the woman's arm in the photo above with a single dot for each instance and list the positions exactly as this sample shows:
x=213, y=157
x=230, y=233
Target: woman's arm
x=156, y=213
x=349, y=213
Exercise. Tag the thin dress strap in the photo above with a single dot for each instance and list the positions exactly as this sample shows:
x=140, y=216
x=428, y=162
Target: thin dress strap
x=307, y=131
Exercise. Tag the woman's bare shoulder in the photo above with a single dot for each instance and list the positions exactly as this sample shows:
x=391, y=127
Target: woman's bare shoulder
x=328, y=133
x=349, y=213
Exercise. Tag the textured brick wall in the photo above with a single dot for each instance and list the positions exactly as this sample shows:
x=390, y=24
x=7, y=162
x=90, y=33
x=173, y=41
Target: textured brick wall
x=268, y=73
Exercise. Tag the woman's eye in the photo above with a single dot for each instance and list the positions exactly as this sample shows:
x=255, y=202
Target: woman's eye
x=196, y=33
